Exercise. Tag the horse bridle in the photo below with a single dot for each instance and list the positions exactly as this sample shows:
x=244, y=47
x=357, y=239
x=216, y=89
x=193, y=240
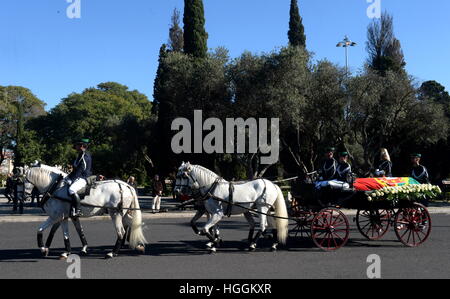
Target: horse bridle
x=196, y=192
x=51, y=188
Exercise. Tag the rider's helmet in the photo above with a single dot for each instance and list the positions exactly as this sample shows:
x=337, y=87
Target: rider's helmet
x=83, y=142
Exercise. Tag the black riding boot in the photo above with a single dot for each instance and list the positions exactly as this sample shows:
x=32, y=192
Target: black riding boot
x=76, y=204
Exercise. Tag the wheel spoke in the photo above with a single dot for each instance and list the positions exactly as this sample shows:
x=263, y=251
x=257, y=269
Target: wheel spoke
x=409, y=236
x=339, y=237
x=365, y=226
x=406, y=231
x=338, y=224
x=418, y=236
x=335, y=244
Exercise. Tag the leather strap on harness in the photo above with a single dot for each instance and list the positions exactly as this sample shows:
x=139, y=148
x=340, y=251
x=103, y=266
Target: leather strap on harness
x=120, y=205
x=230, y=199
x=48, y=194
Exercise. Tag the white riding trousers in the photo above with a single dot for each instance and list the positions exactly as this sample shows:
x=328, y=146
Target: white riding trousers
x=77, y=186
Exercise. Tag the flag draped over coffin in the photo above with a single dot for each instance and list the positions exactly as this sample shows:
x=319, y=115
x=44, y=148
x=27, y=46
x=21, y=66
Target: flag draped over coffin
x=368, y=184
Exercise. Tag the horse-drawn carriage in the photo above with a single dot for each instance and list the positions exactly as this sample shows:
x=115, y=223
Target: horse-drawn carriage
x=317, y=214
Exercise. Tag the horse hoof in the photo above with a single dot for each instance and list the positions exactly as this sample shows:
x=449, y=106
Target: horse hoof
x=212, y=250
x=63, y=256
x=140, y=249
x=110, y=256
x=273, y=249
x=83, y=253
x=209, y=245
x=252, y=247
x=44, y=252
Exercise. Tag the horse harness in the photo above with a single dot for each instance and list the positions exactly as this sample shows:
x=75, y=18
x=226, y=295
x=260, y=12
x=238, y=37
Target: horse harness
x=92, y=184
x=230, y=203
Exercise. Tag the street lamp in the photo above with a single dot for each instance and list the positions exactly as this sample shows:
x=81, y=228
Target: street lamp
x=345, y=44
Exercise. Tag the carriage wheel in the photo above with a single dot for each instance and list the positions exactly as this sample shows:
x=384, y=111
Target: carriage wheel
x=330, y=229
x=373, y=224
x=413, y=225
x=302, y=226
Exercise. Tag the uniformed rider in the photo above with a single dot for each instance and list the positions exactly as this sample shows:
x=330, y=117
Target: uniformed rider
x=343, y=169
x=328, y=170
x=419, y=172
x=82, y=169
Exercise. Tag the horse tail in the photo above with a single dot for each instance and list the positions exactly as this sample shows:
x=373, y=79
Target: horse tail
x=137, y=237
x=282, y=223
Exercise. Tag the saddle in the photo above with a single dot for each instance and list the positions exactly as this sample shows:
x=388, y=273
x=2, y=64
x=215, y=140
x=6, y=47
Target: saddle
x=91, y=184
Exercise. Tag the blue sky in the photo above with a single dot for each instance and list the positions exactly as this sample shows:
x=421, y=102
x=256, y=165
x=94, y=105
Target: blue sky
x=45, y=51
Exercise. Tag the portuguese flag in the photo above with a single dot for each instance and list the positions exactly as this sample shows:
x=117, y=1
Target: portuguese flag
x=369, y=184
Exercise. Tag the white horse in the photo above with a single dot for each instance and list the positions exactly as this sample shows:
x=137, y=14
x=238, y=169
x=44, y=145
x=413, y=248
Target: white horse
x=75, y=220
x=117, y=197
x=260, y=195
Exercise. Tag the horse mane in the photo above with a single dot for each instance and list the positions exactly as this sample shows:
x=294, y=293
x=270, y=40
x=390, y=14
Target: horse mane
x=53, y=169
x=42, y=175
x=206, y=172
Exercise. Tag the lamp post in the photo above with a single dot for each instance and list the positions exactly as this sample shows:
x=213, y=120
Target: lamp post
x=346, y=43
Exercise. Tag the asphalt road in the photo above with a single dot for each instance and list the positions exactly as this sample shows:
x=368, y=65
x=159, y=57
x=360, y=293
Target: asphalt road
x=175, y=252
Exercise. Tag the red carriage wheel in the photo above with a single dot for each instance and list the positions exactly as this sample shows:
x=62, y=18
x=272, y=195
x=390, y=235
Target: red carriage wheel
x=330, y=229
x=373, y=224
x=413, y=225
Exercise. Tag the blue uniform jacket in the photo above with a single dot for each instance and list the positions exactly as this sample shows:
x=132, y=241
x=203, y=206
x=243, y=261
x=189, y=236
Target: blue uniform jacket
x=82, y=166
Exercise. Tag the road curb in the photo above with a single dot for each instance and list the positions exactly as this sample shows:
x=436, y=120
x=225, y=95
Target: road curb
x=169, y=215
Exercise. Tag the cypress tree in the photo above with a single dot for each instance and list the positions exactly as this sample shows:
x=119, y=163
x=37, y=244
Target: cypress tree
x=176, y=42
x=296, y=32
x=157, y=93
x=195, y=36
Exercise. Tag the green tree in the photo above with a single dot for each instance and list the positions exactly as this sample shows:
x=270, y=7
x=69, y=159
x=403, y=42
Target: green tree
x=176, y=39
x=296, y=31
x=185, y=84
x=101, y=114
x=18, y=105
x=440, y=163
x=384, y=48
x=19, y=140
x=195, y=36
x=268, y=86
x=385, y=112
x=434, y=91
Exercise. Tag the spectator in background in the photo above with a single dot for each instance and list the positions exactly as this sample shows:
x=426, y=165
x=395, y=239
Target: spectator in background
x=35, y=195
x=132, y=182
x=9, y=187
x=157, y=193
